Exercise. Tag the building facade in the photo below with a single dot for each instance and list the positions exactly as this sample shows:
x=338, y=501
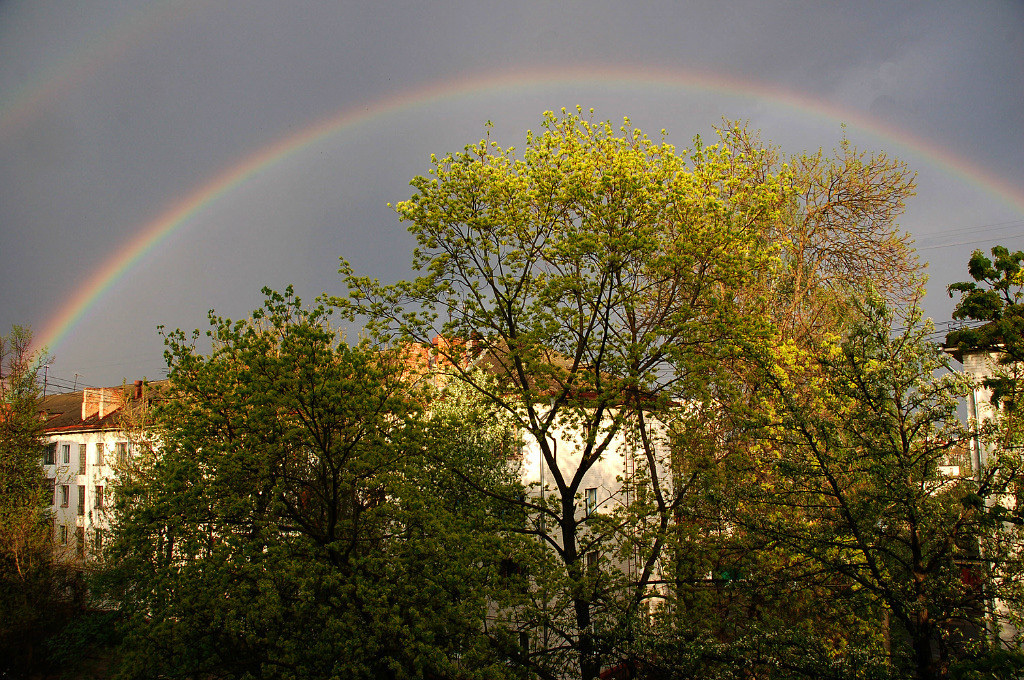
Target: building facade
x=85, y=444
x=982, y=365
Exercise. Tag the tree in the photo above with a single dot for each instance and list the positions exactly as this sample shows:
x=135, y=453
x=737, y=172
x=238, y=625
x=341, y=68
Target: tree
x=732, y=607
x=996, y=299
x=837, y=235
x=858, y=436
x=30, y=577
x=598, y=280
x=291, y=523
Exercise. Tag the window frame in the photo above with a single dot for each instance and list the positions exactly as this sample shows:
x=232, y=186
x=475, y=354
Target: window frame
x=121, y=450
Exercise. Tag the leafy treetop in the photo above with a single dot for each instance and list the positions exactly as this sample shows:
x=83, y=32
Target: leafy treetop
x=995, y=298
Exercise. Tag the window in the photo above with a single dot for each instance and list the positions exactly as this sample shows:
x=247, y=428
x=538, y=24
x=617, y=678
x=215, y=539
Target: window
x=508, y=568
x=50, y=454
x=80, y=541
x=510, y=445
x=63, y=534
x=99, y=497
x=591, y=560
x=97, y=540
x=122, y=452
x=591, y=500
x=65, y=454
x=99, y=453
x=81, y=499
x=81, y=458
x=65, y=493
x=53, y=490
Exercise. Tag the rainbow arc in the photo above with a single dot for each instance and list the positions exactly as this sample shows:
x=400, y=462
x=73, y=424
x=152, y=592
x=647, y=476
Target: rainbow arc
x=184, y=210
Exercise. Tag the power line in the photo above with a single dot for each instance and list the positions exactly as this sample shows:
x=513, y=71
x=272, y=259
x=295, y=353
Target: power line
x=62, y=385
x=970, y=243
x=973, y=229
x=977, y=227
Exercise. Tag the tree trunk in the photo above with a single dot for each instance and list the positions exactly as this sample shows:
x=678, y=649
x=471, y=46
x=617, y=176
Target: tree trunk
x=590, y=663
x=922, y=641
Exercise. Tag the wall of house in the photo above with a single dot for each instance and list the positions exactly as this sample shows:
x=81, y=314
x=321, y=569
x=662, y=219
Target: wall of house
x=981, y=365
x=609, y=484
x=81, y=472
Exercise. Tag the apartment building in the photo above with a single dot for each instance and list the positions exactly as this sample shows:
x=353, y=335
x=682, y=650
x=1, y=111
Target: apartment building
x=85, y=443
x=982, y=364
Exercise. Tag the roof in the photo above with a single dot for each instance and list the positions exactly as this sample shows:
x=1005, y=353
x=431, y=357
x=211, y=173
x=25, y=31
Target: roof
x=64, y=412
x=551, y=373
x=986, y=338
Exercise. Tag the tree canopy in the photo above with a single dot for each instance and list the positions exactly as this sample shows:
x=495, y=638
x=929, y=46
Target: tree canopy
x=995, y=298
x=32, y=579
x=615, y=287
x=598, y=279
x=871, y=484
x=292, y=524
x=839, y=237
x=636, y=414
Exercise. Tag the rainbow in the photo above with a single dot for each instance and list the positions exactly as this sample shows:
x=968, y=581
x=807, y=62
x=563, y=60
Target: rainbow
x=158, y=230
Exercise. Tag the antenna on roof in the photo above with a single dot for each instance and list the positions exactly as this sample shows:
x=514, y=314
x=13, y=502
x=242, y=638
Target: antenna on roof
x=46, y=374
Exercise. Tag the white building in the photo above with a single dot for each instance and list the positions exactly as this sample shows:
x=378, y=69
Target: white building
x=85, y=443
x=982, y=364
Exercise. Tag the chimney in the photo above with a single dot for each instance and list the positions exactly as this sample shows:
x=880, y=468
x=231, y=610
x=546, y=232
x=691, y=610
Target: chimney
x=90, y=403
x=100, y=402
x=138, y=389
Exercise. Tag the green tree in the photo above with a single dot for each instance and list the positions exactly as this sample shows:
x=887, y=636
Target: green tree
x=598, y=280
x=858, y=436
x=995, y=296
x=996, y=299
x=291, y=523
x=733, y=607
x=30, y=578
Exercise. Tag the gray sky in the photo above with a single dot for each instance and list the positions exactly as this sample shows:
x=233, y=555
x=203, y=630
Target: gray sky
x=115, y=113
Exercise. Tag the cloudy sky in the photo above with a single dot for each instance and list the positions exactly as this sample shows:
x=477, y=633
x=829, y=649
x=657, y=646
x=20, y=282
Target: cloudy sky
x=159, y=159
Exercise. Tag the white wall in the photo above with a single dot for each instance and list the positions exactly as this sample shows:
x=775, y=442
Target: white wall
x=95, y=514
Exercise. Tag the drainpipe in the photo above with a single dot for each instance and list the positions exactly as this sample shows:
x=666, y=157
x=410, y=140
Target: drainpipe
x=972, y=405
